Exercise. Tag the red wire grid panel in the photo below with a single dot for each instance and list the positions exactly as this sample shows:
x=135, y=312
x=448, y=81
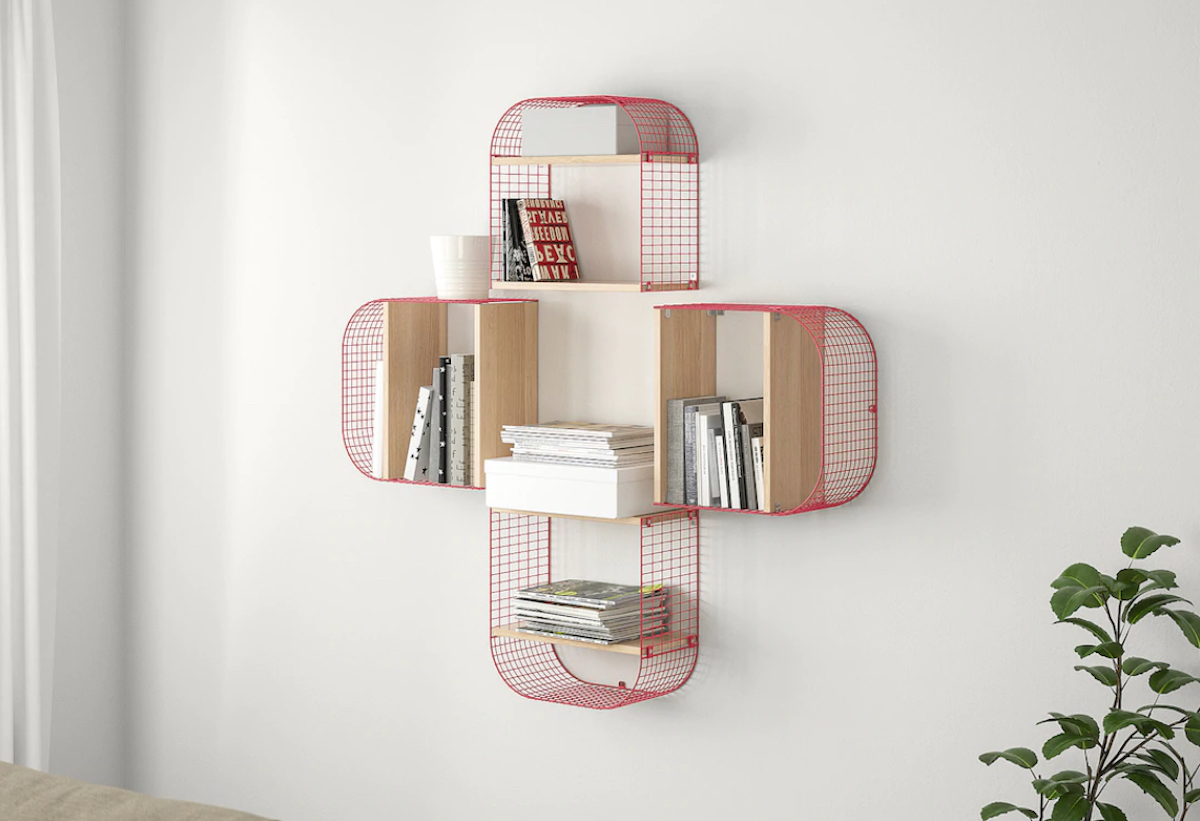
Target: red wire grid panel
x=820, y=387
x=424, y=337
x=670, y=184
x=670, y=556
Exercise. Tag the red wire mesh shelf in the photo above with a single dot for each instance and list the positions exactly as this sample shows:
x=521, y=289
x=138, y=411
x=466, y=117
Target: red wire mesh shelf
x=670, y=184
x=520, y=558
x=505, y=352
x=819, y=391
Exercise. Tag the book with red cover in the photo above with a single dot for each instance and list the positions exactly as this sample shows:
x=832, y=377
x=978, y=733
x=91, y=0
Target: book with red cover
x=548, y=238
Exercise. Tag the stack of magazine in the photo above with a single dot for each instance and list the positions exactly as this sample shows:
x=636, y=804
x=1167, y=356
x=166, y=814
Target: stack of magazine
x=581, y=443
x=591, y=611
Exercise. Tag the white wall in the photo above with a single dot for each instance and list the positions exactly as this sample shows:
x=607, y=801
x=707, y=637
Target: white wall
x=1006, y=195
x=87, y=738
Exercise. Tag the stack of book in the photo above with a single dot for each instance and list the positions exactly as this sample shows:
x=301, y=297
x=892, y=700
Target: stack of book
x=714, y=452
x=582, y=444
x=440, y=448
x=591, y=611
x=536, y=241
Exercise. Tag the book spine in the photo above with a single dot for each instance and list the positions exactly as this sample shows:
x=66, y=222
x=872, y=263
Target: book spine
x=729, y=416
x=435, y=429
x=505, y=240
x=523, y=207
x=420, y=431
x=747, y=458
x=674, y=452
x=443, y=476
x=722, y=474
x=714, y=486
x=690, y=483
x=756, y=444
x=702, y=480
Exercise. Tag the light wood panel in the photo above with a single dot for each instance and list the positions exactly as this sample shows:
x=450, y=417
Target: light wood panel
x=627, y=520
x=582, y=159
x=568, y=285
x=686, y=364
x=414, y=335
x=659, y=644
x=792, y=412
x=506, y=369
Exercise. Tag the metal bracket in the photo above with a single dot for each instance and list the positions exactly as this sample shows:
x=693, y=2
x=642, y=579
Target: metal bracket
x=667, y=313
x=715, y=313
x=777, y=316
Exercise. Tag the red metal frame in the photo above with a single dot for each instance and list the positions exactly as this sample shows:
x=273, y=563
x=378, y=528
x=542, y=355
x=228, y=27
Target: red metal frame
x=362, y=347
x=670, y=556
x=670, y=185
x=849, y=388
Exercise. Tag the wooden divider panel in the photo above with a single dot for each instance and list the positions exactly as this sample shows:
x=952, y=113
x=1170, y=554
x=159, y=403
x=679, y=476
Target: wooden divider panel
x=792, y=412
x=686, y=342
x=414, y=335
x=506, y=372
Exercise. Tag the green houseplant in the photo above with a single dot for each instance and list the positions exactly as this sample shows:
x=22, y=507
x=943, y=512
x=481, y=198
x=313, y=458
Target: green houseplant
x=1142, y=744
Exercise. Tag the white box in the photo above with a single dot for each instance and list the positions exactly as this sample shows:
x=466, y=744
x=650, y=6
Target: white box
x=589, y=129
x=606, y=493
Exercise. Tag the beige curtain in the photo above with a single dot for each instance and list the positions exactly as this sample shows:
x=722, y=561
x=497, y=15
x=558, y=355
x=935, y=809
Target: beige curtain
x=29, y=376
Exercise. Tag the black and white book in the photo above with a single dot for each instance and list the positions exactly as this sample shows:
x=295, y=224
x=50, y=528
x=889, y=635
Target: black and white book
x=693, y=437
x=751, y=426
x=722, y=472
x=678, y=460
x=417, y=464
x=461, y=374
x=708, y=423
x=516, y=253
x=731, y=430
x=435, y=430
x=443, y=386
x=756, y=446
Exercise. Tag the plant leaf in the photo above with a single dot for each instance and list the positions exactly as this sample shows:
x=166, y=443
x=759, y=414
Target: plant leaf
x=1189, y=623
x=1145, y=725
x=1066, y=601
x=1110, y=649
x=1191, y=795
x=1140, y=542
x=1153, y=787
x=1126, y=585
x=1079, y=574
x=1021, y=756
x=1143, y=607
x=1064, y=741
x=1071, y=807
x=1168, y=681
x=1163, y=761
x=1191, y=730
x=1162, y=579
x=1077, y=724
x=1111, y=812
x=1134, y=666
x=1001, y=807
x=1093, y=628
x=1104, y=675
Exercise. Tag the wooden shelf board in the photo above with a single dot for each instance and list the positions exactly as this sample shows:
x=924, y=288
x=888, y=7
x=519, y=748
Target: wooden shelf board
x=657, y=645
x=628, y=520
x=583, y=159
x=568, y=285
